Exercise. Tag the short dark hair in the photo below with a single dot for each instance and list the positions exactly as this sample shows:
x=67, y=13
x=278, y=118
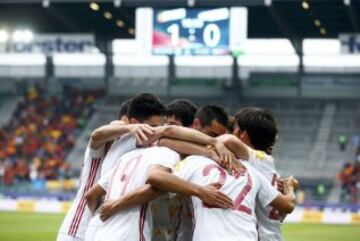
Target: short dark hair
x=182, y=109
x=231, y=124
x=260, y=125
x=208, y=113
x=144, y=106
x=124, y=108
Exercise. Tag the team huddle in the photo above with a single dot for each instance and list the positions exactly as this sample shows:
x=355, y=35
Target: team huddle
x=178, y=173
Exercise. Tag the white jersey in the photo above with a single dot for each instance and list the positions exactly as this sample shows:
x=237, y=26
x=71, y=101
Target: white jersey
x=269, y=219
x=118, y=148
x=213, y=224
x=77, y=218
x=130, y=173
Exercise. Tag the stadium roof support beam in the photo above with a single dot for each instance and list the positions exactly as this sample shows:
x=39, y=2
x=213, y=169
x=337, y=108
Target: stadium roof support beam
x=286, y=30
x=353, y=18
x=155, y=3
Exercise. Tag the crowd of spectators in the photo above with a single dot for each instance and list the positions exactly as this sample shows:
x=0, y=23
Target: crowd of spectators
x=349, y=178
x=35, y=142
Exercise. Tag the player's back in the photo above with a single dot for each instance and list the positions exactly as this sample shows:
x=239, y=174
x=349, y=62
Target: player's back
x=113, y=153
x=130, y=172
x=213, y=224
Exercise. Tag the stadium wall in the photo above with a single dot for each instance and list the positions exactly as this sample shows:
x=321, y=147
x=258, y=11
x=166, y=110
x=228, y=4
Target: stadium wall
x=328, y=215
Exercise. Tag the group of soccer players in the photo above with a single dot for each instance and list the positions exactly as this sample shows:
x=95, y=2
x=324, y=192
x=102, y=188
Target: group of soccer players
x=178, y=173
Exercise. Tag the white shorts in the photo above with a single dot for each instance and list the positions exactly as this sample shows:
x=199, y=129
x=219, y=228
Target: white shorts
x=67, y=237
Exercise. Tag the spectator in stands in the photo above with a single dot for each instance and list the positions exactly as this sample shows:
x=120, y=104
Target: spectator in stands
x=342, y=140
x=42, y=131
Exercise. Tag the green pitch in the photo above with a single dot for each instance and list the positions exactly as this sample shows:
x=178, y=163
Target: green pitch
x=43, y=227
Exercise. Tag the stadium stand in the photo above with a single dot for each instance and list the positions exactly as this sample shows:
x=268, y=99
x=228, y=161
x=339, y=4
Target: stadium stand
x=40, y=133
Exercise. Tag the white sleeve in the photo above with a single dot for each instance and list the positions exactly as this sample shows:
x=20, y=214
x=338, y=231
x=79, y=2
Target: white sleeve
x=267, y=193
x=166, y=157
x=183, y=169
x=256, y=157
x=96, y=153
x=105, y=180
x=126, y=143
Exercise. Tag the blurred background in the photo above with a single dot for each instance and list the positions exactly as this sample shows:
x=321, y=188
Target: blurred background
x=66, y=66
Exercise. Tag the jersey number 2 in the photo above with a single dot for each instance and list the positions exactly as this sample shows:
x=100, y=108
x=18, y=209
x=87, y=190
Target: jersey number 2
x=222, y=179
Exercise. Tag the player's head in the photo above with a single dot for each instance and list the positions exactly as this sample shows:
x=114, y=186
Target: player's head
x=257, y=128
x=181, y=112
x=123, y=111
x=147, y=109
x=211, y=120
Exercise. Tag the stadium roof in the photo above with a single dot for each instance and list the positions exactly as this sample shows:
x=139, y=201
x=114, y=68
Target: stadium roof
x=282, y=19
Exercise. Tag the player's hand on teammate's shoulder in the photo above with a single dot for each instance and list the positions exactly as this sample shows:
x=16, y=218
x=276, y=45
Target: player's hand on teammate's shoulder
x=290, y=182
x=213, y=197
x=226, y=157
x=293, y=182
x=107, y=209
x=141, y=132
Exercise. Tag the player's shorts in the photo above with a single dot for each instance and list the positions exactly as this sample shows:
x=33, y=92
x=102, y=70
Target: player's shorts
x=67, y=237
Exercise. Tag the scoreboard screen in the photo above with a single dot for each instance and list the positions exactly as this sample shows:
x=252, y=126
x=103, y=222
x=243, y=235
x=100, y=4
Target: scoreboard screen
x=198, y=31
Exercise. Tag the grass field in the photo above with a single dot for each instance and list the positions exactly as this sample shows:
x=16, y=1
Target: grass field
x=43, y=227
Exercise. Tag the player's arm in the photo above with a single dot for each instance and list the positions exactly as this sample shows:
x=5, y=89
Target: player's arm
x=94, y=196
x=137, y=197
x=189, y=148
x=239, y=148
x=285, y=203
x=109, y=132
x=194, y=136
x=161, y=178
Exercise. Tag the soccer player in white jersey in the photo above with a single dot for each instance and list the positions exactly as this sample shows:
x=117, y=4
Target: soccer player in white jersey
x=238, y=223
x=257, y=128
x=211, y=120
x=144, y=108
x=77, y=219
x=129, y=174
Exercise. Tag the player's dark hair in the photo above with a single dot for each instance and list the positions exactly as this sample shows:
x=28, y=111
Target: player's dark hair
x=124, y=108
x=182, y=109
x=208, y=113
x=260, y=125
x=144, y=106
x=231, y=124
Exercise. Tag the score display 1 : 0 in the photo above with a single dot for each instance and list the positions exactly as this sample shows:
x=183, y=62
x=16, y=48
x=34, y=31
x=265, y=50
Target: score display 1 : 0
x=191, y=31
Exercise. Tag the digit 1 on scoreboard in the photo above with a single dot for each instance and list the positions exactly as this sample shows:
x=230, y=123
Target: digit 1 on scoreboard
x=174, y=30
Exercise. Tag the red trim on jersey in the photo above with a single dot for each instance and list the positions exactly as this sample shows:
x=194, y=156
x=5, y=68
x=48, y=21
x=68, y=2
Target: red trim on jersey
x=179, y=221
x=142, y=221
x=95, y=164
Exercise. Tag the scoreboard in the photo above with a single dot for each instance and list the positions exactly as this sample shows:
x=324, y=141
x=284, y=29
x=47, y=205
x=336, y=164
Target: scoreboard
x=191, y=31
